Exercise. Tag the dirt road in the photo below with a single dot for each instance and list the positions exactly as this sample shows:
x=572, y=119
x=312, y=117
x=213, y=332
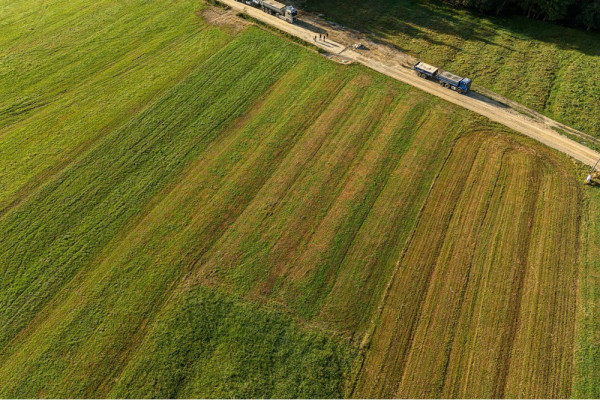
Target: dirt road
x=396, y=64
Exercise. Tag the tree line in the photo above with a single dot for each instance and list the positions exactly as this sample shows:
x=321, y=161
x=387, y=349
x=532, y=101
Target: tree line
x=581, y=13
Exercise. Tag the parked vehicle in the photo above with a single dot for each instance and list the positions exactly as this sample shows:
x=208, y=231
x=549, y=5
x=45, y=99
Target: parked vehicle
x=445, y=78
x=287, y=13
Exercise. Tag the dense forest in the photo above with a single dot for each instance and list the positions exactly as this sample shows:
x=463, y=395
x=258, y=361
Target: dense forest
x=582, y=13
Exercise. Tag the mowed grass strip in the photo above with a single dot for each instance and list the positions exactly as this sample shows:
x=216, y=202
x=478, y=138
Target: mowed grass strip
x=47, y=240
x=468, y=326
x=311, y=277
x=238, y=259
x=304, y=213
x=421, y=139
x=82, y=70
x=318, y=197
x=427, y=354
x=490, y=309
x=386, y=359
x=541, y=361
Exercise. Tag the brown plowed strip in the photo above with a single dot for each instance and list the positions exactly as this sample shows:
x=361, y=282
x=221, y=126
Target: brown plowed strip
x=541, y=360
x=382, y=236
x=386, y=358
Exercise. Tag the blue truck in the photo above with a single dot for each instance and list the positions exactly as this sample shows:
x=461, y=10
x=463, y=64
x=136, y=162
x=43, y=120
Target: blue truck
x=445, y=78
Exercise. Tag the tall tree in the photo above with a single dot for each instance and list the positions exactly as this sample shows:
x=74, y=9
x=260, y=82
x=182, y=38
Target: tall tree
x=590, y=15
x=554, y=9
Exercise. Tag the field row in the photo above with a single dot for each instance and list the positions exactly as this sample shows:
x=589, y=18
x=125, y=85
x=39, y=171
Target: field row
x=312, y=229
x=483, y=300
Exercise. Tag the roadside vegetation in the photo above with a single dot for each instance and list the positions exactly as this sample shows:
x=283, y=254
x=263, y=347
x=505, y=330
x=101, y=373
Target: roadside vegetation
x=587, y=355
x=262, y=222
x=549, y=68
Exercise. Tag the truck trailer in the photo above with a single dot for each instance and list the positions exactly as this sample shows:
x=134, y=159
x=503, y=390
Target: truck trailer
x=287, y=13
x=426, y=70
x=445, y=78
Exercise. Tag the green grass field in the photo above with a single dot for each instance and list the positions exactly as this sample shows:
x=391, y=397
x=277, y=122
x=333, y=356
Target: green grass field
x=191, y=211
x=546, y=67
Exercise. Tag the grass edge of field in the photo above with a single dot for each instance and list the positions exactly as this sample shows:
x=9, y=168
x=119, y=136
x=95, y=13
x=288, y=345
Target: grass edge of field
x=586, y=379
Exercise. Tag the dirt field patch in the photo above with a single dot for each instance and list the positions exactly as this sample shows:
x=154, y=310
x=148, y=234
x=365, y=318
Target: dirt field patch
x=224, y=18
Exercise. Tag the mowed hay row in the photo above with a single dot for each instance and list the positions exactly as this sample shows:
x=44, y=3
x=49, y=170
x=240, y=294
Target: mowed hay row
x=479, y=357
x=426, y=356
x=295, y=240
x=452, y=324
x=299, y=192
x=541, y=358
x=386, y=357
x=366, y=267
x=332, y=232
x=317, y=265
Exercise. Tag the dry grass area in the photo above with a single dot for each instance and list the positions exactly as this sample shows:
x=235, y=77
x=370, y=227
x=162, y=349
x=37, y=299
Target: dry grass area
x=483, y=300
x=223, y=18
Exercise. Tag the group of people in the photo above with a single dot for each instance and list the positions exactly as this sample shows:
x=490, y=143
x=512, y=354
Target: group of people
x=322, y=36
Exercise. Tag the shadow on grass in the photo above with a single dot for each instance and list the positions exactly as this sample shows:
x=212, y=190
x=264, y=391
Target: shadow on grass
x=417, y=18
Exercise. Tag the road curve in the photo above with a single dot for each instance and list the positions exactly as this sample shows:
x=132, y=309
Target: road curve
x=474, y=101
